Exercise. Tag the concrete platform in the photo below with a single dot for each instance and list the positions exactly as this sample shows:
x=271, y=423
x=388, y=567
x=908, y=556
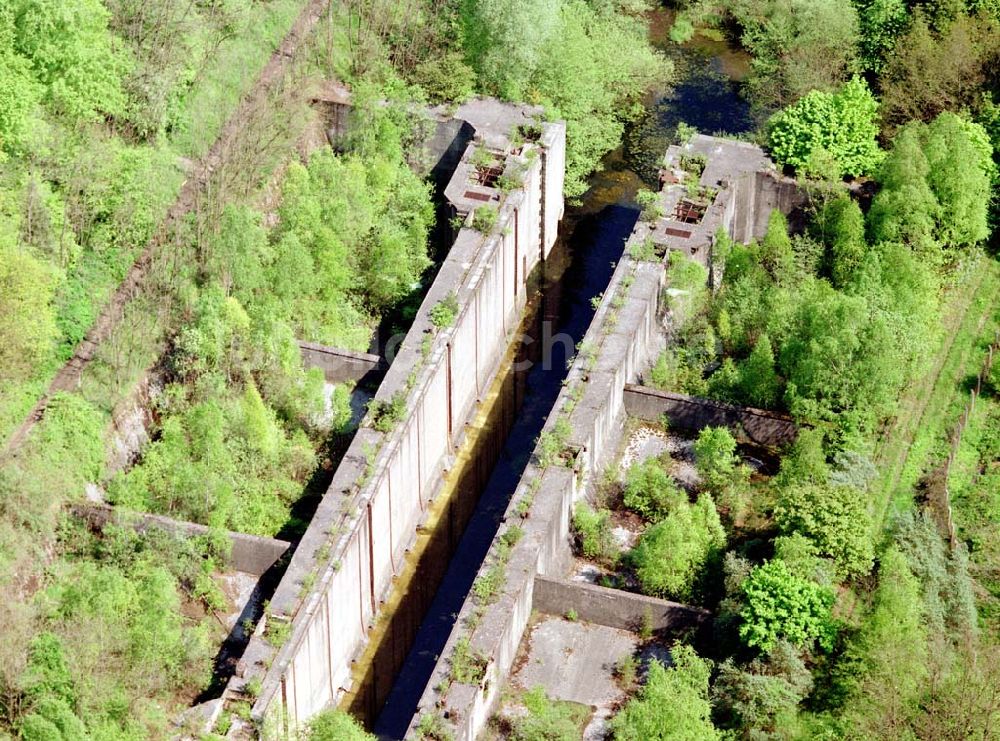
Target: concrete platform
x=575, y=661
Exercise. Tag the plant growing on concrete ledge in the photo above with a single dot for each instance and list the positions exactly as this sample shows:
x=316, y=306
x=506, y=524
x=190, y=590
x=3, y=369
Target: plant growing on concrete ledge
x=385, y=415
x=482, y=158
x=649, y=204
x=432, y=727
x=488, y=586
x=647, y=251
x=277, y=631
x=484, y=219
x=445, y=311
x=512, y=179
x=694, y=163
x=552, y=444
x=467, y=666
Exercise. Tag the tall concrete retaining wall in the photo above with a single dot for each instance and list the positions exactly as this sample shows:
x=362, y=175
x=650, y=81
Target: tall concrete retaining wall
x=617, y=346
x=342, y=570
x=613, y=607
x=689, y=413
x=620, y=342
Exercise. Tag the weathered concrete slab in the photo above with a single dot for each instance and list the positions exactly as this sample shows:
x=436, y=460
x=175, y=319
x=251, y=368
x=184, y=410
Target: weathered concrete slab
x=574, y=661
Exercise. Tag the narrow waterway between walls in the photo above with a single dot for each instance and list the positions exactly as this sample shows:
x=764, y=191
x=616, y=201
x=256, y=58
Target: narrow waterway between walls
x=390, y=679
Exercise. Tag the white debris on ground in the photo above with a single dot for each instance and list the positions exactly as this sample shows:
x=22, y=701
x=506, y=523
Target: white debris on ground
x=644, y=442
x=649, y=442
x=625, y=538
x=589, y=573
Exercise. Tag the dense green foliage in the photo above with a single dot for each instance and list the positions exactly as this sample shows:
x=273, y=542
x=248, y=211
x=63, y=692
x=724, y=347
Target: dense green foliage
x=336, y=725
x=106, y=104
x=672, y=553
x=672, y=705
x=783, y=606
x=547, y=52
x=100, y=102
x=841, y=126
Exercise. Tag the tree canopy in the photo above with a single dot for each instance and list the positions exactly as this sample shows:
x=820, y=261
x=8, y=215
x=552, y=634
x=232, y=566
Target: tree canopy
x=842, y=124
x=672, y=705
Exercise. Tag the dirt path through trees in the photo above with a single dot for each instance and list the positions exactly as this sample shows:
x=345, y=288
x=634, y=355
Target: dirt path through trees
x=67, y=378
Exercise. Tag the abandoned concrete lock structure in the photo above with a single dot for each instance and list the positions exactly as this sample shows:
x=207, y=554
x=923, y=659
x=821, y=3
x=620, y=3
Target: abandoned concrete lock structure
x=585, y=429
x=325, y=609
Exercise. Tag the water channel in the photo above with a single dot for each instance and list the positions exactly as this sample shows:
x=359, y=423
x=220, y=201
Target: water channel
x=404, y=648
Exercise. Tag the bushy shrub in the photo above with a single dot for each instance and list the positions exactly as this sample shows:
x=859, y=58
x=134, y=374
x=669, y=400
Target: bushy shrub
x=672, y=705
x=484, y=219
x=336, y=725
x=782, y=606
x=834, y=518
x=650, y=491
x=843, y=124
x=595, y=533
x=672, y=553
x=545, y=720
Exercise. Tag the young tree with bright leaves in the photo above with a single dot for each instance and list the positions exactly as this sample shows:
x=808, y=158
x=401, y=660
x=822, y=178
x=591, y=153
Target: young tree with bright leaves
x=905, y=208
x=72, y=54
x=834, y=518
x=759, y=383
x=671, y=553
x=650, y=491
x=844, y=227
x=961, y=164
x=842, y=123
x=672, y=705
x=715, y=456
x=27, y=318
x=780, y=606
x=883, y=670
x=775, y=252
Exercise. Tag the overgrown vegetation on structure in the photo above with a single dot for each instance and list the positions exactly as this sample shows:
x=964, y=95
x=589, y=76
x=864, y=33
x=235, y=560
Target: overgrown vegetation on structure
x=839, y=613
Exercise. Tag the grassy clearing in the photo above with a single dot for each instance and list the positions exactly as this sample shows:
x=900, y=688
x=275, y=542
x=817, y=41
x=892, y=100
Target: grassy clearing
x=974, y=484
x=918, y=436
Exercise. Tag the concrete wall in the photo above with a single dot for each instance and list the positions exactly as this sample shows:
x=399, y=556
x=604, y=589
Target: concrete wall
x=623, y=335
x=251, y=554
x=343, y=569
x=689, y=413
x=341, y=366
x=613, y=607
